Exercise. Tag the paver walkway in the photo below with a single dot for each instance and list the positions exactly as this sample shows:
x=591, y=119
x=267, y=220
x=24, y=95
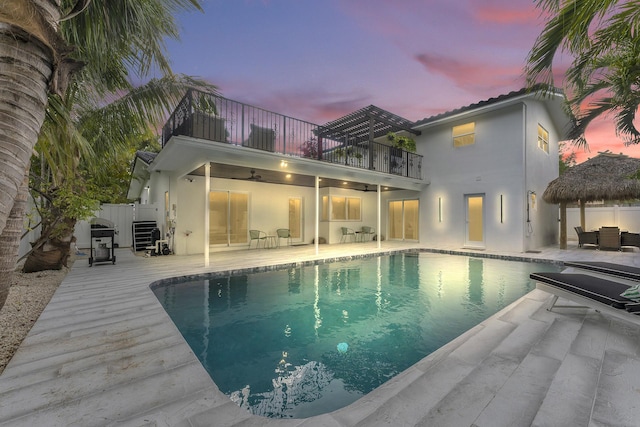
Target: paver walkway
x=104, y=352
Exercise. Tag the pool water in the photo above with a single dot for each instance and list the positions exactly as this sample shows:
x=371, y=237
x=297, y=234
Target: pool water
x=304, y=341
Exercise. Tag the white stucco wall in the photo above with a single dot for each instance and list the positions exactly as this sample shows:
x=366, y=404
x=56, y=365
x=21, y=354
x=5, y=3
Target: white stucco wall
x=502, y=167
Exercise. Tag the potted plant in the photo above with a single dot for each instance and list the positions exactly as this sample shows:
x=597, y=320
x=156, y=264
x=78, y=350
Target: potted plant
x=405, y=143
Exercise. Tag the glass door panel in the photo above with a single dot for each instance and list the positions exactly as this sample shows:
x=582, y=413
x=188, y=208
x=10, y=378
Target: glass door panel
x=411, y=219
x=295, y=218
x=238, y=217
x=395, y=219
x=475, y=221
x=218, y=217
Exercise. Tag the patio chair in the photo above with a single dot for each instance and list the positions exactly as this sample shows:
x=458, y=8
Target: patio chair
x=594, y=292
x=261, y=138
x=630, y=239
x=258, y=236
x=367, y=232
x=586, y=237
x=283, y=233
x=347, y=233
x=609, y=238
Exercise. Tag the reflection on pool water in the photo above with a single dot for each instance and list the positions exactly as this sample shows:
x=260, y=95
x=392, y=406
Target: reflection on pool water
x=305, y=341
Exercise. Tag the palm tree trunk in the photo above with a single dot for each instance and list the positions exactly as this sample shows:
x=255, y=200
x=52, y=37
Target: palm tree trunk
x=32, y=55
x=10, y=240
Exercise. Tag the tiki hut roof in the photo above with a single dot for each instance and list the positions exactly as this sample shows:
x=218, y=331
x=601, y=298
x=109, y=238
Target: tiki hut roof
x=607, y=176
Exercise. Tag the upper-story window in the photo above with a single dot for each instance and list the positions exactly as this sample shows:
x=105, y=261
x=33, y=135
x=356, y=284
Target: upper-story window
x=464, y=134
x=543, y=139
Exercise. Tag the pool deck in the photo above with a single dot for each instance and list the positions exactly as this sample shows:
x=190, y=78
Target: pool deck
x=104, y=352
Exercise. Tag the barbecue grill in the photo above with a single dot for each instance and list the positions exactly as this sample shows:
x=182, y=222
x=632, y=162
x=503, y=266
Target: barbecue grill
x=102, y=241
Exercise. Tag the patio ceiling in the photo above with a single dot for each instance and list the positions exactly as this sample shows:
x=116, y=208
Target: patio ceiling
x=358, y=124
x=186, y=156
x=244, y=173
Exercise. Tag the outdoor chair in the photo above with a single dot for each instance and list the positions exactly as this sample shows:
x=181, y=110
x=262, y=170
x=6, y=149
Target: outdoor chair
x=630, y=239
x=283, y=233
x=347, y=233
x=586, y=237
x=258, y=236
x=609, y=238
x=367, y=232
x=261, y=138
x=593, y=292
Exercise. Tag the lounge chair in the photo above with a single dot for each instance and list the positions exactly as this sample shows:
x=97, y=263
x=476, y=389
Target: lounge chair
x=258, y=236
x=619, y=270
x=283, y=233
x=593, y=292
x=609, y=238
x=347, y=233
x=586, y=237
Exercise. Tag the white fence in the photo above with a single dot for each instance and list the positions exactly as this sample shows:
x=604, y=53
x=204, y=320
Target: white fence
x=122, y=216
x=627, y=218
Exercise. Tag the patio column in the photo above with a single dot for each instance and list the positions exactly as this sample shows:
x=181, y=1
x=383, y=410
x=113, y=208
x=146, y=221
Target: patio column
x=379, y=217
x=207, y=189
x=317, y=224
x=582, y=220
x=563, y=225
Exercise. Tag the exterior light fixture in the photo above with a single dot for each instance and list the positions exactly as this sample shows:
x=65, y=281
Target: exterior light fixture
x=501, y=208
x=439, y=209
x=283, y=163
x=288, y=175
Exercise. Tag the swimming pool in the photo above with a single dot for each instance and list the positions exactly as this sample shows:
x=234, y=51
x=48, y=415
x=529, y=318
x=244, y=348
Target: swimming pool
x=308, y=340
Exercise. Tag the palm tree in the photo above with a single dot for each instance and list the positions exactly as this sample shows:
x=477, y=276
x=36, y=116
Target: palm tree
x=603, y=39
x=77, y=153
x=41, y=54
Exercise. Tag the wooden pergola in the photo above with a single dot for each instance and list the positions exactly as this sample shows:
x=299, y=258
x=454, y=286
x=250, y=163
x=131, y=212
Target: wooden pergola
x=607, y=176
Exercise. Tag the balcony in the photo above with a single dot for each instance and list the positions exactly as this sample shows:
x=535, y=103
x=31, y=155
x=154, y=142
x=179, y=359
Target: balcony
x=350, y=141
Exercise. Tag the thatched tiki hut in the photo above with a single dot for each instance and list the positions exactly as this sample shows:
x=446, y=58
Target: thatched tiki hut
x=605, y=177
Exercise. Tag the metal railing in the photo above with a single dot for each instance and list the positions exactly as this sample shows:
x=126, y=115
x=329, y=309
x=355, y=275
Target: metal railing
x=215, y=118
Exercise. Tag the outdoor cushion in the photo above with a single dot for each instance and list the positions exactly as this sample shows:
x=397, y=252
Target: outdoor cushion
x=620, y=270
x=604, y=291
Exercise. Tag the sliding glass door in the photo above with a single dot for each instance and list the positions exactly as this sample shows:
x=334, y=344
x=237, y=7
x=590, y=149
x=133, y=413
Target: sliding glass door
x=404, y=219
x=228, y=218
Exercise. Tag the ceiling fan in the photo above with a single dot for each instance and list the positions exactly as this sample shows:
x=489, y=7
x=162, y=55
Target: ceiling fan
x=253, y=176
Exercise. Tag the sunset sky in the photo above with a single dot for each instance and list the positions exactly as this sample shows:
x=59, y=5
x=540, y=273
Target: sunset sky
x=320, y=59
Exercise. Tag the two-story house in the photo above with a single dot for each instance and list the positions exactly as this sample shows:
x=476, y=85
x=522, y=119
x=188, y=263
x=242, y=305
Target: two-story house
x=226, y=168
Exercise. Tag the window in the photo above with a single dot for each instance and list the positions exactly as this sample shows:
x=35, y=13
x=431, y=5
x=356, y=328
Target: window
x=345, y=208
x=543, y=139
x=464, y=134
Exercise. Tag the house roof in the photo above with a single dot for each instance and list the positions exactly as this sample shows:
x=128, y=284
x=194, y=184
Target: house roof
x=607, y=176
x=139, y=173
x=537, y=90
x=357, y=124
x=146, y=156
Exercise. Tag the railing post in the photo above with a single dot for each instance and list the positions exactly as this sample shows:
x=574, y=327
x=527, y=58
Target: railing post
x=242, y=121
x=284, y=135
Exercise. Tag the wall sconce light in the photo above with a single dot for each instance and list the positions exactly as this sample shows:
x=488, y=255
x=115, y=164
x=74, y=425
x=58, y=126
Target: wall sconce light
x=146, y=187
x=501, y=208
x=283, y=163
x=439, y=209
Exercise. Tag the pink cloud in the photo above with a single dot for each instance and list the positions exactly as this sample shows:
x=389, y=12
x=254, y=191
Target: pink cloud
x=506, y=15
x=472, y=74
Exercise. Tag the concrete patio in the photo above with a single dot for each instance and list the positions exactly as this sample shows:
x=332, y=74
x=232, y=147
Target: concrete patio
x=104, y=352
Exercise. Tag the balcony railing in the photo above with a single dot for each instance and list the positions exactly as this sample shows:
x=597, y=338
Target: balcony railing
x=214, y=118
